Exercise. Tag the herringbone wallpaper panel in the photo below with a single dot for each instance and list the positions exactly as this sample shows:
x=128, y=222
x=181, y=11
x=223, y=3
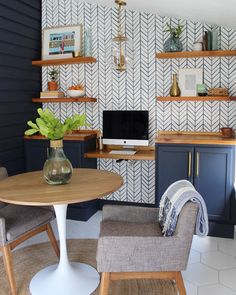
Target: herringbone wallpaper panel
x=137, y=88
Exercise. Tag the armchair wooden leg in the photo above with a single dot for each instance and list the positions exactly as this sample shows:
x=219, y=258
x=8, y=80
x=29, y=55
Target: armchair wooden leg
x=104, y=285
x=7, y=258
x=53, y=240
x=180, y=283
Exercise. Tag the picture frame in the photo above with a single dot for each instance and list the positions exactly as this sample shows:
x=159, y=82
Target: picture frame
x=188, y=80
x=61, y=42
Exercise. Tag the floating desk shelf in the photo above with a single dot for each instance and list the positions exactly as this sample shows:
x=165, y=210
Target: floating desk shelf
x=65, y=99
x=104, y=154
x=196, y=98
x=64, y=61
x=192, y=54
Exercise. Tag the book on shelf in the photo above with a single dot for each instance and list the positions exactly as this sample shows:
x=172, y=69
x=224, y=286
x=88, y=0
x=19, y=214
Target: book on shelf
x=51, y=94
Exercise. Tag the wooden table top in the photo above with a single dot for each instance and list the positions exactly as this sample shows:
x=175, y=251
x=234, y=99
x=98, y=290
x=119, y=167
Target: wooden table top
x=85, y=185
x=182, y=137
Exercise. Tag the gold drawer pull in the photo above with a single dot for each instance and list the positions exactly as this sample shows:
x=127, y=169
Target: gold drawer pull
x=189, y=163
x=197, y=164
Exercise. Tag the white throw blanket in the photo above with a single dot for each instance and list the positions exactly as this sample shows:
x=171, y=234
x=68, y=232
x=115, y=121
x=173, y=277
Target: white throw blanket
x=172, y=201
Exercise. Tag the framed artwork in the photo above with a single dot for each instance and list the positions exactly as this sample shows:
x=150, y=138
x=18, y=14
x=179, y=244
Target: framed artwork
x=188, y=80
x=61, y=42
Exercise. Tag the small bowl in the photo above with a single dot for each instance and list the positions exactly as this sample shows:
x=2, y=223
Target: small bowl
x=75, y=93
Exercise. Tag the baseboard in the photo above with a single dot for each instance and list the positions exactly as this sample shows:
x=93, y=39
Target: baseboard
x=82, y=211
x=221, y=230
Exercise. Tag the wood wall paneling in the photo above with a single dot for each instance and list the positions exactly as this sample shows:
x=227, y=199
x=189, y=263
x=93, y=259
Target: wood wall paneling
x=20, y=38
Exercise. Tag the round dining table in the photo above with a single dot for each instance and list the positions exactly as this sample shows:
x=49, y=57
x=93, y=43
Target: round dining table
x=64, y=278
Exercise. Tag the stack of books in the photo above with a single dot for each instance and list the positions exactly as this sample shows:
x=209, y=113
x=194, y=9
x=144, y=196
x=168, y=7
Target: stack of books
x=51, y=94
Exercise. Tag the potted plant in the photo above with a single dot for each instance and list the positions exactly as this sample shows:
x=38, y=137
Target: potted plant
x=173, y=43
x=52, y=85
x=57, y=169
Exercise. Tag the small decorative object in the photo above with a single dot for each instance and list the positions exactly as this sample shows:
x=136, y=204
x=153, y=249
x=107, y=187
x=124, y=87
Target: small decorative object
x=201, y=90
x=209, y=40
x=52, y=85
x=57, y=168
x=76, y=53
x=76, y=91
x=218, y=91
x=227, y=132
x=188, y=80
x=87, y=43
x=197, y=46
x=174, y=89
x=215, y=43
x=173, y=44
x=205, y=41
x=61, y=42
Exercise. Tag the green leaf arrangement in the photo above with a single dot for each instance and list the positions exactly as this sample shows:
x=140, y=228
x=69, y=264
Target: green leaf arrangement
x=50, y=127
x=176, y=32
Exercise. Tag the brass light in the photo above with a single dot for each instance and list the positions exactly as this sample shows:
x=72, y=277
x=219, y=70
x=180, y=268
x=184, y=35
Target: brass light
x=119, y=57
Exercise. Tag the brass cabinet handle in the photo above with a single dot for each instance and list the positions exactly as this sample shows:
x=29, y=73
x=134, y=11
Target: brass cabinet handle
x=197, y=164
x=189, y=163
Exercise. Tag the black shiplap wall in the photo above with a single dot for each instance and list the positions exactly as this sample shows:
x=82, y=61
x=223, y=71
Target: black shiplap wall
x=20, y=43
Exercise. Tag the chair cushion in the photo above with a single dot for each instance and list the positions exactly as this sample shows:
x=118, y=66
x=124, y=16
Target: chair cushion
x=21, y=219
x=131, y=229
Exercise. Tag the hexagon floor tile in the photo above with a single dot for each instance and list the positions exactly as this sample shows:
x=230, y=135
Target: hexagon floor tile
x=194, y=257
x=200, y=275
x=215, y=290
x=228, y=246
x=190, y=288
x=228, y=278
x=218, y=260
x=204, y=244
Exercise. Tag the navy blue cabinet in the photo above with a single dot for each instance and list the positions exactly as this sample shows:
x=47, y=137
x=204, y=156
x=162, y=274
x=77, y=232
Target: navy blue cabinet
x=36, y=155
x=210, y=169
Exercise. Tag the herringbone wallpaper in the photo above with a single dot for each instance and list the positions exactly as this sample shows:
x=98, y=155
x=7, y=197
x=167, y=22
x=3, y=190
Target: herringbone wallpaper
x=138, y=87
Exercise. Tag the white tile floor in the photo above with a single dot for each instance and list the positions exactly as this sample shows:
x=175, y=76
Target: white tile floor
x=212, y=261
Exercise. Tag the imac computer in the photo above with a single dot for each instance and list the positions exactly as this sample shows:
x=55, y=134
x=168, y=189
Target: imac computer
x=126, y=128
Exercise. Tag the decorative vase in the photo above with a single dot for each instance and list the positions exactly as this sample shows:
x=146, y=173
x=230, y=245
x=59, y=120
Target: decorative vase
x=173, y=44
x=52, y=85
x=87, y=43
x=57, y=168
x=174, y=89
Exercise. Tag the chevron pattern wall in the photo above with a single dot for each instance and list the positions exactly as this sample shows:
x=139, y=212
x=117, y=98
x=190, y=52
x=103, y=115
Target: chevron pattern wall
x=138, y=87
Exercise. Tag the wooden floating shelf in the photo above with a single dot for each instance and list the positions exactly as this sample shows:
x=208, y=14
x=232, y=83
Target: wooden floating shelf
x=64, y=61
x=192, y=54
x=65, y=99
x=104, y=154
x=196, y=98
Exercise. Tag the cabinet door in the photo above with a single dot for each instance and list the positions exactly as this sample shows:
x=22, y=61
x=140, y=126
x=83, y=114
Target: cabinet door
x=172, y=163
x=36, y=153
x=214, y=179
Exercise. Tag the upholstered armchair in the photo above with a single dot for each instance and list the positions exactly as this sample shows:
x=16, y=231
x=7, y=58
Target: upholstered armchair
x=19, y=223
x=131, y=245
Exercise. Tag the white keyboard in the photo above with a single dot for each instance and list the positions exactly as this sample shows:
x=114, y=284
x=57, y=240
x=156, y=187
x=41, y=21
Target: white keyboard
x=122, y=152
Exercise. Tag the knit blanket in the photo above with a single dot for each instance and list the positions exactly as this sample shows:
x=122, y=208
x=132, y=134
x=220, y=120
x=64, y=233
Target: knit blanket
x=172, y=201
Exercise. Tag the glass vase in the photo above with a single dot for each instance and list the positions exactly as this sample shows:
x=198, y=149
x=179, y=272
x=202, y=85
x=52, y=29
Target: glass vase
x=173, y=44
x=174, y=89
x=57, y=168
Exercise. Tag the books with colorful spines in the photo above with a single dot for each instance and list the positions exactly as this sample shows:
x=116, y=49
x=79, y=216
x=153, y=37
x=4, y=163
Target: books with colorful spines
x=51, y=94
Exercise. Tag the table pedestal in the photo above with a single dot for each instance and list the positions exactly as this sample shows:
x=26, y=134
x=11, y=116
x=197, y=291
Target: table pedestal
x=64, y=278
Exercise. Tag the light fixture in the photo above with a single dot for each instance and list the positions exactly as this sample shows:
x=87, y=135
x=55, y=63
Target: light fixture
x=119, y=42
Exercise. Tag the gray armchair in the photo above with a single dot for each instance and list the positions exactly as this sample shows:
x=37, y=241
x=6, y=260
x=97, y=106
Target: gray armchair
x=131, y=245
x=19, y=223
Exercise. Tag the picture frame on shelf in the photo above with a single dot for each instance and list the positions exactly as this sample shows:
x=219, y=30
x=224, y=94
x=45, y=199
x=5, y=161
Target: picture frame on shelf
x=61, y=42
x=188, y=80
